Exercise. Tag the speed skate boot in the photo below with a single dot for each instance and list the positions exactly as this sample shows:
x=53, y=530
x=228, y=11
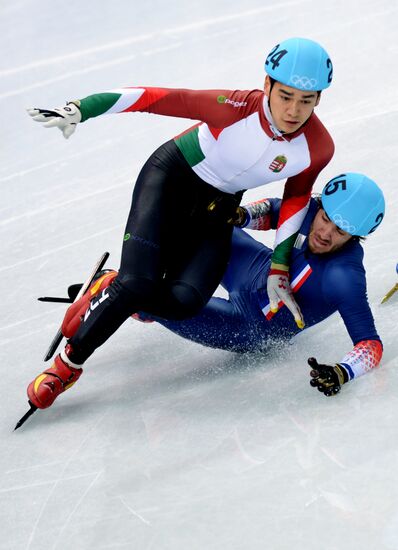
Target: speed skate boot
x=76, y=311
x=63, y=373
x=46, y=387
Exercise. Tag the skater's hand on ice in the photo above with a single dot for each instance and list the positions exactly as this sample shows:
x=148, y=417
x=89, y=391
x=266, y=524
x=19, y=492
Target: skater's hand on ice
x=326, y=378
x=64, y=118
x=278, y=289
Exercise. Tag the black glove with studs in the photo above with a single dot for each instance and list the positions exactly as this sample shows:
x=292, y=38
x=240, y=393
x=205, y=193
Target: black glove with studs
x=328, y=379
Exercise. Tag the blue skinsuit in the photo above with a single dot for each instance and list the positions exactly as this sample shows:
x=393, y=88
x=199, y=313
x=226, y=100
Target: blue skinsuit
x=337, y=283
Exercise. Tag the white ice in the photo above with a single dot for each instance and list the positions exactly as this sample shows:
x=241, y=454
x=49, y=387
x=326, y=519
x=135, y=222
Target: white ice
x=164, y=444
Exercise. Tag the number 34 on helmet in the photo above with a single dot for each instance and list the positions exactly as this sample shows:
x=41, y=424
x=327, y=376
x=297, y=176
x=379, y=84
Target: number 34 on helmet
x=300, y=63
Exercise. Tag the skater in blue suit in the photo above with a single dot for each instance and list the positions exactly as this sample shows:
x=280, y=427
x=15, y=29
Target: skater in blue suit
x=327, y=275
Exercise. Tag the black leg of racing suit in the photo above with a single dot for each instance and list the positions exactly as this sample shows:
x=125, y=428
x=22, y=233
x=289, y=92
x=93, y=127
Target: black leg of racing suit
x=174, y=251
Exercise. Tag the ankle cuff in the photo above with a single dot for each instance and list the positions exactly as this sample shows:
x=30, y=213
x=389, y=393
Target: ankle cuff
x=67, y=361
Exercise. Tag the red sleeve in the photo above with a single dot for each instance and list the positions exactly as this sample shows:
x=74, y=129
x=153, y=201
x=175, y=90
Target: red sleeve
x=298, y=188
x=218, y=108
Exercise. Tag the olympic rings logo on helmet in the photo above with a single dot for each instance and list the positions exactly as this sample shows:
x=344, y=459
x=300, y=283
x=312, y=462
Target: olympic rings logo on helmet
x=303, y=82
x=344, y=224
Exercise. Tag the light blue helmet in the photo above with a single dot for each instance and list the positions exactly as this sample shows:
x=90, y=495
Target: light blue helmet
x=300, y=63
x=354, y=202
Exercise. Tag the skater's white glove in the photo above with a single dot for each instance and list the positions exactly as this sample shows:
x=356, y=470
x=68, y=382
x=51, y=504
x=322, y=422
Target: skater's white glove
x=278, y=289
x=64, y=118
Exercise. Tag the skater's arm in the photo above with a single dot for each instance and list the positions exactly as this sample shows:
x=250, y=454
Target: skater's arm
x=295, y=203
x=297, y=192
x=217, y=108
x=345, y=285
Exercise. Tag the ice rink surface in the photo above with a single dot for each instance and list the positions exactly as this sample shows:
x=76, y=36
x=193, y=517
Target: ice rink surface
x=163, y=444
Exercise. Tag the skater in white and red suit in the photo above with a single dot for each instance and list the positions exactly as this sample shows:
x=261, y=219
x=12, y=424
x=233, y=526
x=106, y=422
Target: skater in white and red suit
x=178, y=234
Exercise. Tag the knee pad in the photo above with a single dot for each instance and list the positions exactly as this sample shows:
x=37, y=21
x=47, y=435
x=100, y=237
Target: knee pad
x=186, y=301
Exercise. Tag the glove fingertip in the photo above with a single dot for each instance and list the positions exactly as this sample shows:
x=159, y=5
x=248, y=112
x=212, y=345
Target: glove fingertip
x=68, y=131
x=50, y=124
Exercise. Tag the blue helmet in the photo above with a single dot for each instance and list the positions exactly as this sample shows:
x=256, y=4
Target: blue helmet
x=354, y=202
x=300, y=63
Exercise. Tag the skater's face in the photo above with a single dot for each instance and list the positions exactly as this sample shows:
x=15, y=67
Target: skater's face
x=325, y=236
x=290, y=107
